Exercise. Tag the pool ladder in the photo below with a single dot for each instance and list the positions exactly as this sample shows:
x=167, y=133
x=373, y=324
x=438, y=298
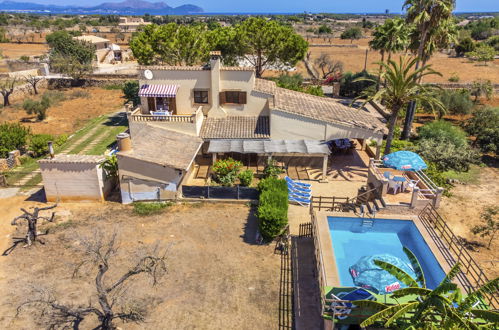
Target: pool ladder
x=367, y=223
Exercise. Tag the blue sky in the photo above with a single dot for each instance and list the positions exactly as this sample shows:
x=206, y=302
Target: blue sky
x=285, y=6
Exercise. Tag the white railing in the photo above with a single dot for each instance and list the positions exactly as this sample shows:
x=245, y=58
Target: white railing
x=137, y=116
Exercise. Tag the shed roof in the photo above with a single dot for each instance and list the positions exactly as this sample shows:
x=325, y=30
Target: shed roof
x=162, y=146
x=306, y=147
x=69, y=158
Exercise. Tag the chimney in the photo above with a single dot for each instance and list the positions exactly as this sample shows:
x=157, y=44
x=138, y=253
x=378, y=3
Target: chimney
x=51, y=149
x=124, y=142
x=215, y=78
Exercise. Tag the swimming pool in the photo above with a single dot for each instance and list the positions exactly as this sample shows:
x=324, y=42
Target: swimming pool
x=352, y=241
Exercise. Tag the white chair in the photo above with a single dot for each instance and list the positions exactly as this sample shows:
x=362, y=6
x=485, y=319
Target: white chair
x=395, y=186
x=412, y=184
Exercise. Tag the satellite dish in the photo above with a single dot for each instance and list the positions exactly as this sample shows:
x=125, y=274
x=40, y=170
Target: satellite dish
x=148, y=74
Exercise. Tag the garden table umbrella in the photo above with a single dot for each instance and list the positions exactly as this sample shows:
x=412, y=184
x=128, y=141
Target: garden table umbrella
x=404, y=161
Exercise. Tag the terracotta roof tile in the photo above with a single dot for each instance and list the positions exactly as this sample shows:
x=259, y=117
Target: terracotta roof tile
x=236, y=127
x=325, y=109
x=70, y=158
x=265, y=86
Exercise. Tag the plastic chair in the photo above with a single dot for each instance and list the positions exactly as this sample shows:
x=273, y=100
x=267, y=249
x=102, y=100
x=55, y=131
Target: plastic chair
x=395, y=186
x=387, y=175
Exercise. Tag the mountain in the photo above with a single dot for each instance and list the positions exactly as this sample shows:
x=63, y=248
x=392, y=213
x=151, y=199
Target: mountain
x=126, y=7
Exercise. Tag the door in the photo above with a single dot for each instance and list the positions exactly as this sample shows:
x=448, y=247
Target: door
x=151, y=105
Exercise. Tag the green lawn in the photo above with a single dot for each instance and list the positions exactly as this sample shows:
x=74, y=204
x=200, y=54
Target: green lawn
x=470, y=177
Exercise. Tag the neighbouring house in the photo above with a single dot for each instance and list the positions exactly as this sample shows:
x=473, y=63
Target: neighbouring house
x=212, y=111
x=105, y=51
x=131, y=24
x=74, y=178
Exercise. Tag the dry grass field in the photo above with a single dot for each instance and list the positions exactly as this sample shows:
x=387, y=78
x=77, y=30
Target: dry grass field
x=69, y=115
x=354, y=58
x=15, y=50
x=215, y=278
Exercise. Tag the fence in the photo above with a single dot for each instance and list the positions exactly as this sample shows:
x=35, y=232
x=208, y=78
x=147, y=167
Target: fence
x=332, y=204
x=217, y=192
x=471, y=276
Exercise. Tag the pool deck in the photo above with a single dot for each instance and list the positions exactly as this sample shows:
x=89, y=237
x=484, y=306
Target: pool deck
x=330, y=269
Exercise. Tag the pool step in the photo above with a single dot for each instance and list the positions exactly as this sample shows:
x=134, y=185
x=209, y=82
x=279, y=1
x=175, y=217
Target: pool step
x=367, y=223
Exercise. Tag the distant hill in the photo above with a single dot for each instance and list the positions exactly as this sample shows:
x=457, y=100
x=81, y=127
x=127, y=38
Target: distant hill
x=126, y=7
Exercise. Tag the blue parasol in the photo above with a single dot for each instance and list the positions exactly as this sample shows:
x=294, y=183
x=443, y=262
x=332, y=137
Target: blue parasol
x=404, y=161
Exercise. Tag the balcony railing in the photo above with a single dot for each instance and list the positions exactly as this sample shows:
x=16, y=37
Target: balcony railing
x=136, y=115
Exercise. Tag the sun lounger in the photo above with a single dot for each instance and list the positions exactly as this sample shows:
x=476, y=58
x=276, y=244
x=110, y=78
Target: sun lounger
x=356, y=294
x=299, y=194
x=299, y=200
x=300, y=189
x=296, y=183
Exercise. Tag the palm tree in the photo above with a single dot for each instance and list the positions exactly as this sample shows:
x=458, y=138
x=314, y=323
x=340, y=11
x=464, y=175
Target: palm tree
x=401, y=87
x=430, y=18
x=443, y=306
x=391, y=37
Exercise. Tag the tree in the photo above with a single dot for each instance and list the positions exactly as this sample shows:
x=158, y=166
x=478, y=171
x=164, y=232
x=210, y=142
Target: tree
x=6, y=88
x=434, y=28
x=112, y=296
x=352, y=34
x=131, y=91
x=265, y=43
x=70, y=56
x=490, y=224
x=13, y=136
x=483, y=53
x=484, y=125
x=32, y=220
x=391, y=37
x=464, y=46
x=482, y=87
x=33, y=81
x=401, y=87
x=324, y=29
x=328, y=67
x=171, y=43
x=39, y=108
x=443, y=307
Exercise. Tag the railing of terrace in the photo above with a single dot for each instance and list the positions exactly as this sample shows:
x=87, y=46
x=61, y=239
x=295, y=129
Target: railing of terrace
x=319, y=261
x=471, y=276
x=137, y=116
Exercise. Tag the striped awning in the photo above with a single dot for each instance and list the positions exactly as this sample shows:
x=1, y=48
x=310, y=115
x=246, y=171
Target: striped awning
x=158, y=90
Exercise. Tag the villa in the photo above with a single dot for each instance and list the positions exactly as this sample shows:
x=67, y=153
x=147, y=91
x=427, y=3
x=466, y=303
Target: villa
x=191, y=115
x=105, y=51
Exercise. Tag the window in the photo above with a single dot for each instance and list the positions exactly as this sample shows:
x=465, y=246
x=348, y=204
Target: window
x=234, y=97
x=201, y=97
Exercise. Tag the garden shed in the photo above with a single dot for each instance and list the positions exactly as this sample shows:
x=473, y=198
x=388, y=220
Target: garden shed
x=74, y=178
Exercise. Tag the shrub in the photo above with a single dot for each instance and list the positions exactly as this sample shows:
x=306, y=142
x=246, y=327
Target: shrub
x=246, y=177
x=131, y=91
x=272, y=207
x=12, y=137
x=454, y=78
x=38, y=108
x=457, y=102
x=145, y=209
x=38, y=144
x=314, y=90
x=352, y=33
x=482, y=87
x=464, y=46
x=351, y=88
x=438, y=177
x=494, y=42
x=226, y=171
x=447, y=156
x=54, y=97
x=442, y=130
x=484, y=125
x=483, y=53
x=111, y=87
x=60, y=140
x=271, y=169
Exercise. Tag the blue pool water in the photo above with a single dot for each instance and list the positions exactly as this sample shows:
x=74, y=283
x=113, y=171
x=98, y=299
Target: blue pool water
x=352, y=241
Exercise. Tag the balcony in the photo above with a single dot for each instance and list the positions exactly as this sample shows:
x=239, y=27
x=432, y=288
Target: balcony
x=189, y=123
x=425, y=191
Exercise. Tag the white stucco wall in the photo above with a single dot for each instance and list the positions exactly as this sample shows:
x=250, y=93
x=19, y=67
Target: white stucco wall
x=288, y=126
x=142, y=180
x=72, y=181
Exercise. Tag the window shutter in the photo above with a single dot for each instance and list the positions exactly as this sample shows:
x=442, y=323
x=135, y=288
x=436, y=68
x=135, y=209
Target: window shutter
x=242, y=97
x=222, y=98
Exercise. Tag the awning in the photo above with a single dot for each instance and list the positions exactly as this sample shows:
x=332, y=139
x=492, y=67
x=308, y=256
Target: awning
x=158, y=90
x=269, y=146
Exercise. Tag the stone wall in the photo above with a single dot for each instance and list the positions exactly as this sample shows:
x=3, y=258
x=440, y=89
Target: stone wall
x=90, y=81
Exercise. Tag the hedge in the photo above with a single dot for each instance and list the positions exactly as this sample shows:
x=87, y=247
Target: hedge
x=272, y=207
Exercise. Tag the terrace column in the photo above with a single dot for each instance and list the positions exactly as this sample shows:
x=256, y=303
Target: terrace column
x=414, y=197
x=438, y=197
x=378, y=149
x=324, y=169
x=214, y=158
